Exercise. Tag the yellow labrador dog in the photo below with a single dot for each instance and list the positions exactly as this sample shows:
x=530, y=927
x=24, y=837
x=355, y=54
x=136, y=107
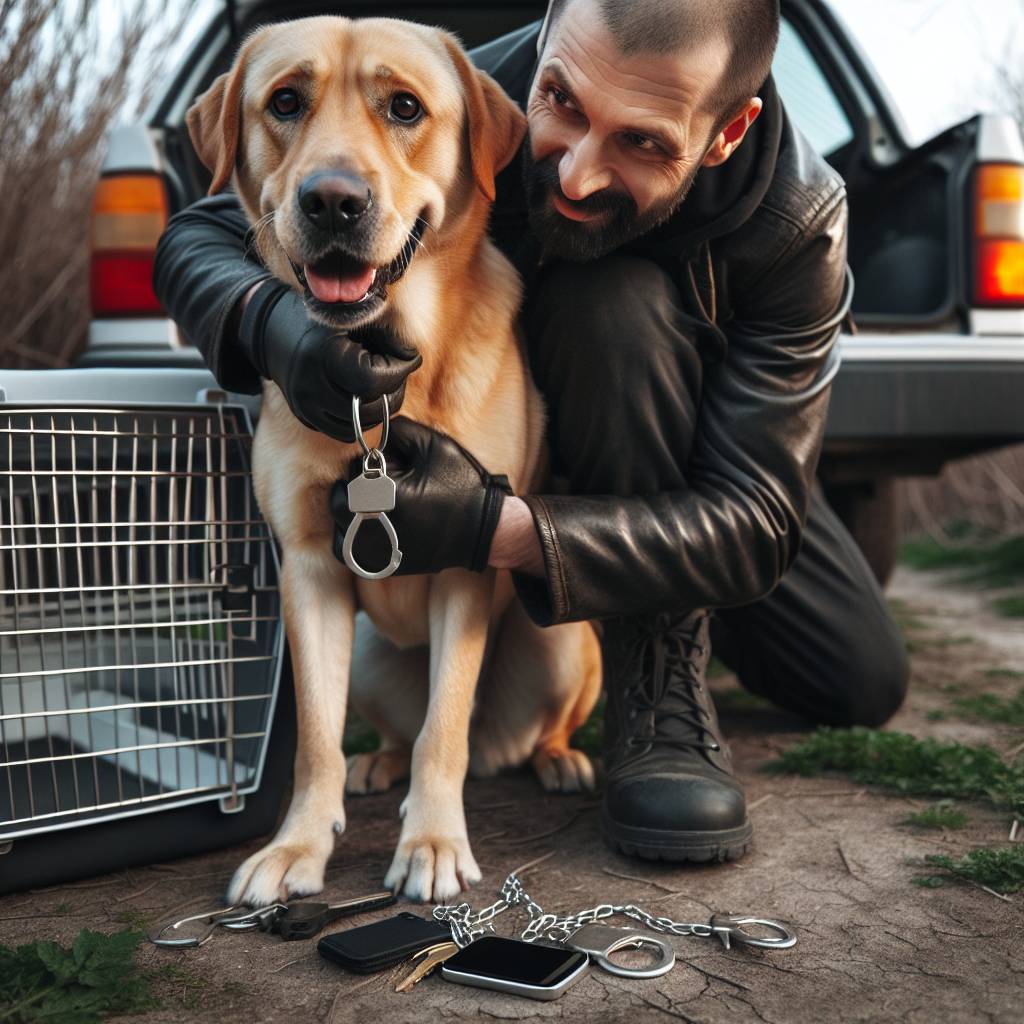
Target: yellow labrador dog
x=448, y=667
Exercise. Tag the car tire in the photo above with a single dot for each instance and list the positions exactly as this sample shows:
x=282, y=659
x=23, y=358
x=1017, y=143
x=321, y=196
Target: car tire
x=870, y=510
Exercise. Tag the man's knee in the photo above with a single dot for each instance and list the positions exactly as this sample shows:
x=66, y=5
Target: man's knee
x=871, y=681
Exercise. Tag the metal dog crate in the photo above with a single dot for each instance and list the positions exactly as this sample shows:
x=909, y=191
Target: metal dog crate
x=141, y=643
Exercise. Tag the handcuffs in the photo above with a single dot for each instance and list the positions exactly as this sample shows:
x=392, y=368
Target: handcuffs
x=371, y=495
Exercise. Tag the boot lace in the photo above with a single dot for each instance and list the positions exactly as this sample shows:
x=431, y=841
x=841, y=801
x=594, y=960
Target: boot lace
x=667, y=684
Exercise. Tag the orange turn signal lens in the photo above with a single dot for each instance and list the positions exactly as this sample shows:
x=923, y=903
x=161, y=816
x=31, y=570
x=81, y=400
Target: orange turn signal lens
x=129, y=215
x=999, y=199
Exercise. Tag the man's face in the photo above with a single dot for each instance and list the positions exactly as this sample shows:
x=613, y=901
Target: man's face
x=614, y=142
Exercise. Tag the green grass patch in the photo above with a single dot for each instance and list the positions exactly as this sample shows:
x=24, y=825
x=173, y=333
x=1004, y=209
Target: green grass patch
x=1011, y=606
x=1003, y=673
x=940, y=815
x=906, y=619
x=96, y=977
x=983, y=559
x=736, y=699
x=991, y=708
x=908, y=765
x=999, y=869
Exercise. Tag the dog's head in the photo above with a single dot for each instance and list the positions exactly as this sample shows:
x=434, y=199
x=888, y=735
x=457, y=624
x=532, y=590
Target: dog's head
x=349, y=142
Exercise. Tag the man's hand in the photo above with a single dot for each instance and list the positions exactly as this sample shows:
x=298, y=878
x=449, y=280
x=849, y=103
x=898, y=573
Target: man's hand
x=319, y=368
x=447, y=506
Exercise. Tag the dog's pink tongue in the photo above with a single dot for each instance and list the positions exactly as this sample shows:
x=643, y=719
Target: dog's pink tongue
x=340, y=288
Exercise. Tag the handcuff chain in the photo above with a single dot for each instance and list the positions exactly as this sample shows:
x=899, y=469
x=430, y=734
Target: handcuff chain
x=466, y=927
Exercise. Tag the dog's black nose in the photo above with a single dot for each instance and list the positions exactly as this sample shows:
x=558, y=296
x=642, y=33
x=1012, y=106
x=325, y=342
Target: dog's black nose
x=334, y=200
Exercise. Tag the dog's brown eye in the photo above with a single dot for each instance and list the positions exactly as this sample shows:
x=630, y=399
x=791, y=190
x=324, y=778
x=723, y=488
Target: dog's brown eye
x=285, y=103
x=405, y=107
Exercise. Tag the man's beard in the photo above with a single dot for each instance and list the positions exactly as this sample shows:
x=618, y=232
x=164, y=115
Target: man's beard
x=580, y=241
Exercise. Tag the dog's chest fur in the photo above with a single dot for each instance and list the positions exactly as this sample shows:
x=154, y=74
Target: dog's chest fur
x=473, y=384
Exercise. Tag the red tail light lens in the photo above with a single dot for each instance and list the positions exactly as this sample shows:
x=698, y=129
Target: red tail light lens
x=129, y=215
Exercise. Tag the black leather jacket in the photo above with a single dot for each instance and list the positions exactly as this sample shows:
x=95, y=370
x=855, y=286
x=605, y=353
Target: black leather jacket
x=759, y=251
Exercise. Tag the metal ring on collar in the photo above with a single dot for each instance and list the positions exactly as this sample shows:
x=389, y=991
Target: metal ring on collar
x=358, y=426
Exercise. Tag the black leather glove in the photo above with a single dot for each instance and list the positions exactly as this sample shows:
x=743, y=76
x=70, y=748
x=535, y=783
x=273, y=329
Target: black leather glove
x=319, y=368
x=446, y=505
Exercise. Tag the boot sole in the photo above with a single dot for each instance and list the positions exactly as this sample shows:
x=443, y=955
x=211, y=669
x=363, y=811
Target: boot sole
x=661, y=844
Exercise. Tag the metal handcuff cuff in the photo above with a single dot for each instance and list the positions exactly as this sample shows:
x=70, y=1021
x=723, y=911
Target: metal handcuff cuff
x=371, y=495
x=580, y=931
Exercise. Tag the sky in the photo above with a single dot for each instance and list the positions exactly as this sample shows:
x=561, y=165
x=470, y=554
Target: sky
x=936, y=56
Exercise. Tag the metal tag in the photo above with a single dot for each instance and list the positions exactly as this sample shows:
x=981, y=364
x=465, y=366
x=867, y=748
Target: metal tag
x=371, y=493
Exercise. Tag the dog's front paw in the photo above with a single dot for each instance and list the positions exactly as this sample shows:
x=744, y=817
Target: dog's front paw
x=279, y=871
x=433, y=867
x=377, y=772
x=563, y=771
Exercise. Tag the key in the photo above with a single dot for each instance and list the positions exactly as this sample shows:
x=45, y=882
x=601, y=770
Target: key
x=304, y=920
x=371, y=491
x=428, y=958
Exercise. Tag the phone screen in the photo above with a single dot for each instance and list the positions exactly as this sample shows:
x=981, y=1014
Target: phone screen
x=514, y=960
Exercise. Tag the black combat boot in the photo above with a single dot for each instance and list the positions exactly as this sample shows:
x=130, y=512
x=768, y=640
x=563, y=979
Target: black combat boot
x=669, y=791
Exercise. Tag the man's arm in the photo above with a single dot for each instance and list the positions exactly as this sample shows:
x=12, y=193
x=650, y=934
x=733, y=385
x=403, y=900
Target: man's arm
x=516, y=544
x=726, y=539
x=202, y=270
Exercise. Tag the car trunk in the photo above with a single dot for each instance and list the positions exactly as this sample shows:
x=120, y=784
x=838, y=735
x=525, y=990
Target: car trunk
x=905, y=239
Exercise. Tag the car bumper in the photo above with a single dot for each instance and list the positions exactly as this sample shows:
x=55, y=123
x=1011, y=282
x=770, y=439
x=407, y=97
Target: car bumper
x=927, y=388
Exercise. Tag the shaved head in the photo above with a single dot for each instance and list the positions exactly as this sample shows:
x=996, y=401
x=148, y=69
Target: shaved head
x=630, y=99
x=751, y=28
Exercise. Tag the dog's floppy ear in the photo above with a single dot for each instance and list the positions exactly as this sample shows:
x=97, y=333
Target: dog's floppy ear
x=214, y=122
x=496, y=125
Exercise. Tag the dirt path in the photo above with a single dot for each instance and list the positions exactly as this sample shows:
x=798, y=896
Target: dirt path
x=830, y=858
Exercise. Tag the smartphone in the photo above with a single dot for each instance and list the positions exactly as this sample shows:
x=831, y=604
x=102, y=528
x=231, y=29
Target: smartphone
x=511, y=965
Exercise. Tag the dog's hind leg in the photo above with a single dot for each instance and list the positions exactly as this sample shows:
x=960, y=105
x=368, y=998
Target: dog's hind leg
x=433, y=857
x=389, y=690
x=318, y=604
x=539, y=687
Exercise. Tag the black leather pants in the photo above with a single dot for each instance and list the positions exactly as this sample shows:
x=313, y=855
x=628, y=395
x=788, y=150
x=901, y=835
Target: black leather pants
x=622, y=380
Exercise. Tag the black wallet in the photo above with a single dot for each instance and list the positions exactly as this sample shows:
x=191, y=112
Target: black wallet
x=382, y=944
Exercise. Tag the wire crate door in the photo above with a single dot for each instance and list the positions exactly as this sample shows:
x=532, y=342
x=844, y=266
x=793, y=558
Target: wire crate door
x=140, y=632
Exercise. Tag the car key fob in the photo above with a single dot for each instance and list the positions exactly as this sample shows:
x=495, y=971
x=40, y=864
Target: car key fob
x=382, y=944
x=304, y=920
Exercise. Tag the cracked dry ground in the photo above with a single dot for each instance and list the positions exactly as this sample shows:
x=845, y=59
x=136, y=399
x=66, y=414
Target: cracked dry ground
x=830, y=858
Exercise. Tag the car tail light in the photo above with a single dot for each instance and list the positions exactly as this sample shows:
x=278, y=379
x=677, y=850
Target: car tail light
x=999, y=235
x=128, y=215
